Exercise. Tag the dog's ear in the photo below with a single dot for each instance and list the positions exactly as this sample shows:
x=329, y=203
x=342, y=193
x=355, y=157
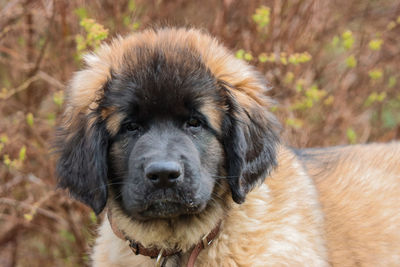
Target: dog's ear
x=82, y=138
x=82, y=163
x=251, y=137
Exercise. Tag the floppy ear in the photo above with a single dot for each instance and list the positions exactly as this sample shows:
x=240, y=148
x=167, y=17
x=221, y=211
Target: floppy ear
x=82, y=164
x=250, y=139
x=82, y=138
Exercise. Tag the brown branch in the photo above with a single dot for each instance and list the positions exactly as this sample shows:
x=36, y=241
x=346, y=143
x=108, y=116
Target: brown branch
x=44, y=212
x=51, y=80
x=4, y=31
x=43, y=49
x=11, y=233
x=20, y=88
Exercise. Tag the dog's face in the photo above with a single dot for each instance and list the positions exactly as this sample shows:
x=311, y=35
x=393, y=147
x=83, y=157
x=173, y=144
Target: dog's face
x=165, y=158
x=163, y=123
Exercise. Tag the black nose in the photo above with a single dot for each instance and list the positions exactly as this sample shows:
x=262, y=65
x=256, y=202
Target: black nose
x=163, y=174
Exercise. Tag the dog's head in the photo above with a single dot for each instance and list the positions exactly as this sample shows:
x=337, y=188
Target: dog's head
x=162, y=122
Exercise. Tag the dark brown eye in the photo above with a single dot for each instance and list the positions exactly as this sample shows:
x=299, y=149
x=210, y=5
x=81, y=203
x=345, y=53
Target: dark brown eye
x=193, y=122
x=132, y=127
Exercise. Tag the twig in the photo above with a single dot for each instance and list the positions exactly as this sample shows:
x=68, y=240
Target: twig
x=20, y=88
x=4, y=31
x=44, y=212
x=43, y=49
x=51, y=80
x=16, y=180
x=11, y=233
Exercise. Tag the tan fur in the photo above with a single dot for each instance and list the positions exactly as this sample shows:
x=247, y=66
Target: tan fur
x=360, y=194
x=214, y=116
x=349, y=217
x=114, y=122
x=341, y=208
x=85, y=88
x=275, y=226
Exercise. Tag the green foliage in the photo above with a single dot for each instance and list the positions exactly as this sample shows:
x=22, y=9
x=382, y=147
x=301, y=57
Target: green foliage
x=241, y=54
x=262, y=17
x=58, y=98
x=375, y=74
x=392, y=82
x=351, y=136
x=351, y=61
x=329, y=100
x=131, y=5
x=7, y=160
x=311, y=96
x=375, y=44
x=3, y=139
x=94, y=34
x=391, y=25
x=283, y=58
x=314, y=93
x=93, y=217
x=289, y=77
x=347, y=39
x=21, y=41
x=67, y=235
x=127, y=17
x=28, y=217
x=295, y=123
x=335, y=41
x=298, y=58
x=22, y=154
x=391, y=114
x=374, y=97
x=29, y=119
x=16, y=163
x=51, y=118
x=248, y=56
x=81, y=12
x=300, y=85
x=263, y=57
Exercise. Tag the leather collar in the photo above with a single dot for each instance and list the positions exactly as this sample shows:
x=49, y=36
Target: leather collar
x=161, y=254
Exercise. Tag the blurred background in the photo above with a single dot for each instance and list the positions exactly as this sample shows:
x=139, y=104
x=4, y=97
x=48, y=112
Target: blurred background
x=333, y=66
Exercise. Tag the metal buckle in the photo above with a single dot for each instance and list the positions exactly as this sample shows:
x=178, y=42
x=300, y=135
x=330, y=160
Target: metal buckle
x=159, y=258
x=205, y=242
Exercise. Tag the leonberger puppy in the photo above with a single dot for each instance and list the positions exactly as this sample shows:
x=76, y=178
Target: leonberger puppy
x=170, y=135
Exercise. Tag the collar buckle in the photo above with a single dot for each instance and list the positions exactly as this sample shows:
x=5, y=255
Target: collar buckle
x=160, y=258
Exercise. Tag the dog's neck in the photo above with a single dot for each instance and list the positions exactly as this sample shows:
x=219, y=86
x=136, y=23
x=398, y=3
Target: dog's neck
x=160, y=253
x=179, y=233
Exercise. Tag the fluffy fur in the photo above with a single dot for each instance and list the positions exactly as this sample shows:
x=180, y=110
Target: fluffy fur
x=277, y=206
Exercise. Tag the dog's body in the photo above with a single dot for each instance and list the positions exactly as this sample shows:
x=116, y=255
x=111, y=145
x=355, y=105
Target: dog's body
x=172, y=133
x=320, y=207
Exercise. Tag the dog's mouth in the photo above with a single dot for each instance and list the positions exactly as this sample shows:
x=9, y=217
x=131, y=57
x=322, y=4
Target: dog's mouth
x=170, y=209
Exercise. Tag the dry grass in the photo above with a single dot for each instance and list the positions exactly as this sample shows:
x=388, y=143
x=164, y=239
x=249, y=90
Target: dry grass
x=333, y=68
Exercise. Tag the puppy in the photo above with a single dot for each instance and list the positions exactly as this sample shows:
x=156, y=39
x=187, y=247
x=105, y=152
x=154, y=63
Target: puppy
x=171, y=134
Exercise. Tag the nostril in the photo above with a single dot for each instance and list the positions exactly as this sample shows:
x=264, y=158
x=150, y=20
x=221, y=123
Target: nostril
x=174, y=175
x=152, y=176
x=163, y=173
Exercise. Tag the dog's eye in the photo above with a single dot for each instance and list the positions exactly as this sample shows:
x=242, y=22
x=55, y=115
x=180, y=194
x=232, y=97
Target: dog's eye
x=193, y=122
x=132, y=127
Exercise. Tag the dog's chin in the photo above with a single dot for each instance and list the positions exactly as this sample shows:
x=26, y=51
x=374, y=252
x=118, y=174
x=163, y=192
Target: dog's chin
x=167, y=210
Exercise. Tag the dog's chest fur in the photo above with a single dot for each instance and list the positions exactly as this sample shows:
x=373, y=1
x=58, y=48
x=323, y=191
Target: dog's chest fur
x=274, y=226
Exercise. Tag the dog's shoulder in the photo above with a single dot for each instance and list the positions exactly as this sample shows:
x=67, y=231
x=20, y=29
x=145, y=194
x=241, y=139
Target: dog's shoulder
x=324, y=161
x=358, y=187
